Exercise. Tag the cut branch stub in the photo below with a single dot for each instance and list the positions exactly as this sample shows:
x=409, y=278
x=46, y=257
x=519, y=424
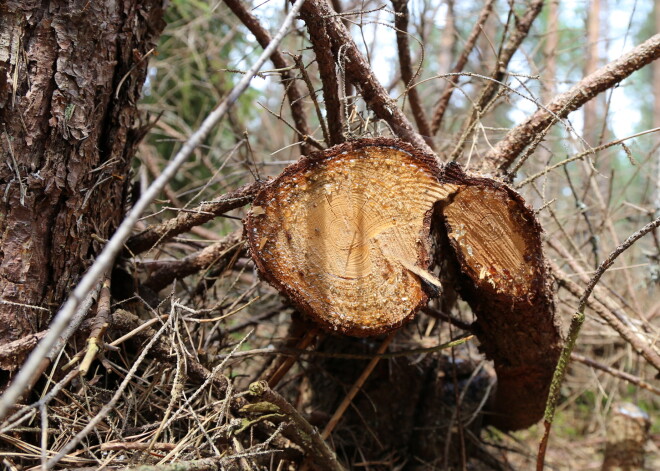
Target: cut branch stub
x=345, y=233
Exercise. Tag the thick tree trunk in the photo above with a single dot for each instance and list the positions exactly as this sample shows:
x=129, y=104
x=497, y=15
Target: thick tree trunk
x=71, y=73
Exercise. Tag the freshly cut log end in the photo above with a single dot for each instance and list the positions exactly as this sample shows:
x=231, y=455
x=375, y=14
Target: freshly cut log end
x=345, y=234
x=495, y=242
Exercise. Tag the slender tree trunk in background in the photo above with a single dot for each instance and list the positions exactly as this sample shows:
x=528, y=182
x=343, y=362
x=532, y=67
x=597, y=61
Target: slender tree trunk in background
x=71, y=73
x=656, y=112
x=550, y=52
x=590, y=126
x=447, y=41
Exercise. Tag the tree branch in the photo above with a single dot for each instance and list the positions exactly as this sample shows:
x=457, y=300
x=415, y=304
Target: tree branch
x=405, y=63
x=505, y=152
x=604, y=313
x=492, y=87
x=194, y=217
x=292, y=91
x=218, y=253
x=360, y=74
x=460, y=63
x=316, y=26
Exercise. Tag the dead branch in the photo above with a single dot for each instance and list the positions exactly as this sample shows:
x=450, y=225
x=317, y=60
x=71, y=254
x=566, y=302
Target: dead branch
x=407, y=75
x=12, y=351
x=360, y=74
x=300, y=431
x=460, y=63
x=288, y=80
x=505, y=55
x=574, y=330
x=316, y=27
x=218, y=253
x=99, y=325
x=614, y=372
x=604, y=313
x=505, y=152
x=185, y=220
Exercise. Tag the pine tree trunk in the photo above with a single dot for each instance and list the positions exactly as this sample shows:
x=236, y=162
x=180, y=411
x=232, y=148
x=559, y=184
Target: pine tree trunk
x=71, y=73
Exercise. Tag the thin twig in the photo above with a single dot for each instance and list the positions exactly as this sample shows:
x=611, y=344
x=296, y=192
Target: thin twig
x=616, y=373
x=184, y=220
x=582, y=155
x=574, y=331
x=350, y=395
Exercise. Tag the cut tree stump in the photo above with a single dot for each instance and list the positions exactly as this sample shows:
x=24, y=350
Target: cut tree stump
x=345, y=234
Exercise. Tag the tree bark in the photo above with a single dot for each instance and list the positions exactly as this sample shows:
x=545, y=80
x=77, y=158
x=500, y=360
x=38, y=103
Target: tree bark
x=71, y=73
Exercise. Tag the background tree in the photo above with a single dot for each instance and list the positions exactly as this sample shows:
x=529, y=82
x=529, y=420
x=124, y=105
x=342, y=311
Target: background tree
x=188, y=325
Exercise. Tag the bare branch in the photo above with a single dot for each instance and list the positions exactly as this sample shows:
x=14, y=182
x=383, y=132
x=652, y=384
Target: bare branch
x=505, y=152
x=187, y=219
x=606, y=314
x=292, y=91
x=405, y=63
x=360, y=74
x=220, y=252
x=316, y=26
x=460, y=63
x=491, y=88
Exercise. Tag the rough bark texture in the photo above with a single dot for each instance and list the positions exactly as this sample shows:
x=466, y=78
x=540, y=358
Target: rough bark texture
x=70, y=76
x=359, y=72
x=494, y=241
x=316, y=26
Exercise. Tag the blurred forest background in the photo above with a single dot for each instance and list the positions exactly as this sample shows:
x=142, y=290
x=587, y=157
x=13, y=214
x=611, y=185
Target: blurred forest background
x=593, y=181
